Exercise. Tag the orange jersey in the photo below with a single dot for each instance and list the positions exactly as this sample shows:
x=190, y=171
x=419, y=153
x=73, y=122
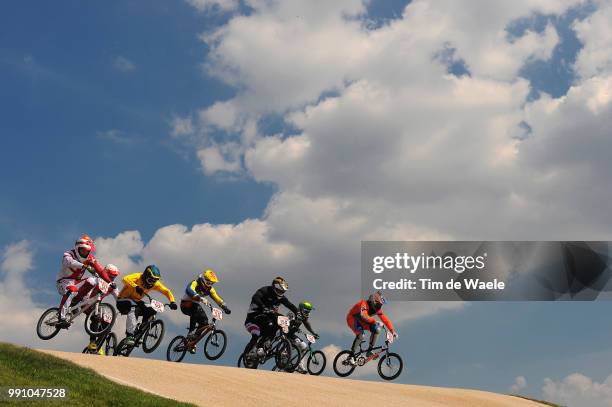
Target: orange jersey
x=360, y=313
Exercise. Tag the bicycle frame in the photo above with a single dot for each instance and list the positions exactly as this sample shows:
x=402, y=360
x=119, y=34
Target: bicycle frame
x=144, y=326
x=90, y=300
x=206, y=329
x=274, y=343
x=376, y=350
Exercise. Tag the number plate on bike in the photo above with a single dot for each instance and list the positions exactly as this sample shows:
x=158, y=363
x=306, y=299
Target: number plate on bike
x=107, y=317
x=103, y=286
x=217, y=314
x=283, y=322
x=390, y=337
x=310, y=338
x=157, y=306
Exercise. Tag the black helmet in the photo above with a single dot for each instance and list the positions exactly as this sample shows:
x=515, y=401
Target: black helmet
x=280, y=286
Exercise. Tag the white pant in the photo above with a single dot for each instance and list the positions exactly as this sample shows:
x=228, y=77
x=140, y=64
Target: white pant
x=131, y=321
x=62, y=289
x=302, y=346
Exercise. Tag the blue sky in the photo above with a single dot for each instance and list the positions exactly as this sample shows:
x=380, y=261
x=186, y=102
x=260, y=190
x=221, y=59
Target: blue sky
x=62, y=92
x=88, y=95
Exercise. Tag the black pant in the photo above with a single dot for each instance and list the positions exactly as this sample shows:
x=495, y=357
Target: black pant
x=197, y=315
x=267, y=327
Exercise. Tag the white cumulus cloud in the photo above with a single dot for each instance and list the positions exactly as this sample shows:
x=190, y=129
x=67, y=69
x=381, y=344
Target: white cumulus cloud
x=579, y=390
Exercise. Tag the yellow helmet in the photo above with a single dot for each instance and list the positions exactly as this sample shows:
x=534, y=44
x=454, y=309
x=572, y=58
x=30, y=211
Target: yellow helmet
x=208, y=278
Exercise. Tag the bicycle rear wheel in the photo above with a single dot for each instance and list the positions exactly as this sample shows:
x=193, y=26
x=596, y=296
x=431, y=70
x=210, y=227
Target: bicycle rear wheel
x=176, y=349
x=390, y=366
x=153, y=336
x=215, y=344
x=45, y=328
x=123, y=349
x=342, y=367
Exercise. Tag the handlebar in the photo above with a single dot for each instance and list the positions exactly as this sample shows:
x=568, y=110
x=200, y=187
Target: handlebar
x=149, y=297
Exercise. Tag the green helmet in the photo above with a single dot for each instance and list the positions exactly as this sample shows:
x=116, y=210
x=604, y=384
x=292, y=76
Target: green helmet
x=306, y=307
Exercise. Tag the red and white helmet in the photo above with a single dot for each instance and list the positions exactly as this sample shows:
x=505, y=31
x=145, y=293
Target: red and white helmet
x=112, y=271
x=82, y=245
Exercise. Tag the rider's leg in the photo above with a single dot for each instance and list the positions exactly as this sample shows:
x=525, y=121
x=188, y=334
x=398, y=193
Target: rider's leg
x=187, y=309
x=302, y=347
x=85, y=288
x=125, y=307
x=145, y=312
x=255, y=332
x=375, y=330
x=199, y=317
x=358, y=331
x=268, y=327
x=70, y=291
x=357, y=342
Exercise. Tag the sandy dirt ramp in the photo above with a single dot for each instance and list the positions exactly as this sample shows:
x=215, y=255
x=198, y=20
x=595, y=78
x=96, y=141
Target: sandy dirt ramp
x=228, y=386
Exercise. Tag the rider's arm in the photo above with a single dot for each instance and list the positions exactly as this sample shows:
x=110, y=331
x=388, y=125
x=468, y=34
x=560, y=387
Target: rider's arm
x=215, y=296
x=131, y=280
x=386, y=321
x=285, y=301
x=70, y=262
x=99, y=270
x=190, y=290
x=115, y=293
x=159, y=286
x=308, y=326
x=363, y=314
x=258, y=297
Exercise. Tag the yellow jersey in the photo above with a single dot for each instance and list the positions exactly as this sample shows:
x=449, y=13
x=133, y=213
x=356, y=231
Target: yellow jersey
x=131, y=281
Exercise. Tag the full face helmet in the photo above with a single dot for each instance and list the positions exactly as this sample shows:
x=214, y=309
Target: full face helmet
x=305, y=308
x=112, y=271
x=280, y=286
x=207, y=279
x=83, y=247
x=151, y=275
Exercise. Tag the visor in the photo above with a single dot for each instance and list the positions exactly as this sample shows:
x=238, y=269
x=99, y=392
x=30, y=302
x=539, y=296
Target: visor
x=150, y=280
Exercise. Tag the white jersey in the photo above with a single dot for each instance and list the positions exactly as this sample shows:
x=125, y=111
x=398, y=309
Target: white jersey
x=71, y=268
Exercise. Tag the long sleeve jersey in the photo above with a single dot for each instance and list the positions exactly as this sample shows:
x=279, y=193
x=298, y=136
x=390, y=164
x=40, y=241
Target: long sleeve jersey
x=194, y=292
x=362, y=312
x=73, y=269
x=265, y=297
x=131, y=281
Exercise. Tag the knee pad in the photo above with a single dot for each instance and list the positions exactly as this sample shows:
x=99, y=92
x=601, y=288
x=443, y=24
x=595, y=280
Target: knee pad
x=253, y=329
x=301, y=345
x=375, y=328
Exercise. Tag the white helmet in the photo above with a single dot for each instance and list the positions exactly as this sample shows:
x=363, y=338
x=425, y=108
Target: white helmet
x=84, y=244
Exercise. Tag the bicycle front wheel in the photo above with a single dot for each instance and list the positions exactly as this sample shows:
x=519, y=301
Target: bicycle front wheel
x=390, y=366
x=215, y=344
x=110, y=344
x=153, y=336
x=316, y=363
x=286, y=355
x=100, y=322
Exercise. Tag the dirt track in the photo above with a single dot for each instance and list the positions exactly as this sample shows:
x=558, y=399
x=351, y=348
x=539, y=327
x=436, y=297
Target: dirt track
x=227, y=386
